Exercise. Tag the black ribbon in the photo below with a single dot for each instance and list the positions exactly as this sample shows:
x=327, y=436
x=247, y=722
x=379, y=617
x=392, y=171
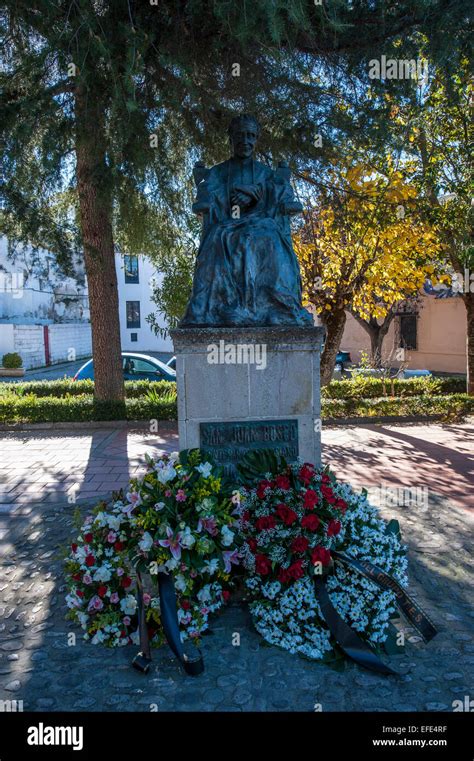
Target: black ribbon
x=349, y=641
x=192, y=663
x=410, y=609
x=353, y=646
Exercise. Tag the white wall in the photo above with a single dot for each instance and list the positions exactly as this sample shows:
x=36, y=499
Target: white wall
x=68, y=342
x=7, y=340
x=34, y=290
x=29, y=344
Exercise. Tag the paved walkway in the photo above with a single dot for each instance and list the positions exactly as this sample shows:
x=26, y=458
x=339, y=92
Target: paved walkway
x=40, y=667
x=66, y=466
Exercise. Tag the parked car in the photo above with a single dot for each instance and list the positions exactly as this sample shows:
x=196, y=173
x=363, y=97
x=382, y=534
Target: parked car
x=343, y=361
x=135, y=367
x=171, y=363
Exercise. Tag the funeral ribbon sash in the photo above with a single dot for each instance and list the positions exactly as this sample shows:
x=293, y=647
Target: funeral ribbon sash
x=192, y=663
x=349, y=641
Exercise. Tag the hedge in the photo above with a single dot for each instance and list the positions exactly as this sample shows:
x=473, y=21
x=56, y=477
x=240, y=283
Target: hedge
x=371, y=388
x=69, y=387
x=450, y=406
x=50, y=409
x=357, y=388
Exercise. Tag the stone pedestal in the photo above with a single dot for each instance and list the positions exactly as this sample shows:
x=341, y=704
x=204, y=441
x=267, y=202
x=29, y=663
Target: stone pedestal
x=249, y=388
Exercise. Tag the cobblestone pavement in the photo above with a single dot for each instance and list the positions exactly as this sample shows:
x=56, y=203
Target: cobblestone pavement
x=39, y=667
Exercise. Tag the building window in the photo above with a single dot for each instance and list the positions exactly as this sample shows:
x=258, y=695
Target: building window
x=133, y=314
x=133, y=337
x=130, y=265
x=408, y=332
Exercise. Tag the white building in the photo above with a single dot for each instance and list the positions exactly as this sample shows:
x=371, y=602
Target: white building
x=45, y=316
x=135, y=275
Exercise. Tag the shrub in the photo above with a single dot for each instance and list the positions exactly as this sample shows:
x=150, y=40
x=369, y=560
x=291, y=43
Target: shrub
x=450, y=406
x=12, y=361
x=50, y=409
x=362, y=387
x=81, y=408
x=69, y=387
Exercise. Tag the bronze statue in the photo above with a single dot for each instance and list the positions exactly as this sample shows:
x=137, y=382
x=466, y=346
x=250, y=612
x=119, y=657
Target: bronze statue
x=246, y=270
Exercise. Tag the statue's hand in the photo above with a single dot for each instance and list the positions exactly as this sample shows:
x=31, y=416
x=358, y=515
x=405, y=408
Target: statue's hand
x=239, y=198
x=253, y=192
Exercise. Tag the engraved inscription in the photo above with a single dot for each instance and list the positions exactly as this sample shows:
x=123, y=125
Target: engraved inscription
x=228, y=442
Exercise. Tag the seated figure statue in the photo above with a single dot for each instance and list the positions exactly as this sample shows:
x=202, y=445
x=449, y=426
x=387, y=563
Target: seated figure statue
x=247, y=273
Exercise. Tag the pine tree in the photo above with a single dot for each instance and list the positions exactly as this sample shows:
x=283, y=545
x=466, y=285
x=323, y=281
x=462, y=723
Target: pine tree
x=88, y=84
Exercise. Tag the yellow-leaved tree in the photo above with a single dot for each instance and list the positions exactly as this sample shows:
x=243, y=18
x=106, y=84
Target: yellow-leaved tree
x=363, y=248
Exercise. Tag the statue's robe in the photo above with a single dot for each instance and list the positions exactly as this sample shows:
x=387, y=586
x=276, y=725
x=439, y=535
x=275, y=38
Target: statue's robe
x=246, y=270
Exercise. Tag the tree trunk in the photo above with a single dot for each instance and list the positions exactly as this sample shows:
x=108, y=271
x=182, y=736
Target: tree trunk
x=376, y=341
x=334, y=323
x=376, y=333
x=469, y=302
x=95, y=207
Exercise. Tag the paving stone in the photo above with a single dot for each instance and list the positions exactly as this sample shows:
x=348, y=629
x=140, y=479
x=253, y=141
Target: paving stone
x=254, y=677
x=13, y=686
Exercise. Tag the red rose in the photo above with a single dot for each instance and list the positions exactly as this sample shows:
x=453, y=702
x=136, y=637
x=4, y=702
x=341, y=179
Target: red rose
x=90, y=560
x=306, y=473
x=252, y=543
x=328, y=494
x=88, y=538
x=282, y=482
x=118, y=546
x=125, y=582
x=311, y=522
x=310, y=499
x=284, y=575
x=299, y=544
x=77, y=577
x=263, y=565
x=341, y=504
x=185, y=604
x=261, y=488
x=246, y=516
x=333, y=528
x=296, y=570
x=74, y=547
x=325, y=479
x=79, y=593
x=102, y=590
x=265, y=522
x=225, y=595
x=321, y=555
x=286, y=515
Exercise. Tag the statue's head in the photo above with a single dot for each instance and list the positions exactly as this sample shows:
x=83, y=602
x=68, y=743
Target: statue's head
x=243, y=134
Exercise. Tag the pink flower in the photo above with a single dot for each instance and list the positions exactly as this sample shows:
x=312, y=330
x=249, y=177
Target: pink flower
x=146, y=598
x=208, y=524
x=95, y=603
x=87, y=578
x=111, y=537
x=173, y=543
x=120, y=572
x=126, y=620
x=114, y=597
x=181, y=495
x=168, y=493
x=229, y=557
